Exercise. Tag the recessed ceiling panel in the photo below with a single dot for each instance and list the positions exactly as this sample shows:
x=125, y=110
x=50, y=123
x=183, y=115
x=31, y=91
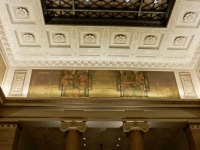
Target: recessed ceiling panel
x=108, y=12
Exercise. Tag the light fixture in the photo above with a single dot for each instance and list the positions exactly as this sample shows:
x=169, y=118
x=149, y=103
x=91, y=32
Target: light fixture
x=127, y=1
x=117, y=144
x=119, y=138
x=84, y=144
x=155, y=1
x=101, y=145
x=84, y=138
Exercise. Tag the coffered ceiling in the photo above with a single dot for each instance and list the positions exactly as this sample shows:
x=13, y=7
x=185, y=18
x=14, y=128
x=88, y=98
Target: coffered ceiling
x=27, y=41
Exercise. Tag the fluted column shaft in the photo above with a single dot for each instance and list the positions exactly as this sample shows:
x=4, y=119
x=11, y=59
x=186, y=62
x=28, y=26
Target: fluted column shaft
x=73, y=130
x=136, y=130
x=136, y=140
x=72, y=140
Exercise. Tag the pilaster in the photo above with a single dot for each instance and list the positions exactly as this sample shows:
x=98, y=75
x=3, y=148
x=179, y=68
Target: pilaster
x=193, y=136
x=9, y=135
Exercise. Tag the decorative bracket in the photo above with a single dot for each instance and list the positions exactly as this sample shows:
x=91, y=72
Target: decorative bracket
x=80, y=126
x=128, y=126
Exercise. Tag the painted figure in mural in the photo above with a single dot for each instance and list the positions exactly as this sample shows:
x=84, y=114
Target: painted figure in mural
x=73, y=83
x=133, y=83
x=67, y=78
x=83, y=77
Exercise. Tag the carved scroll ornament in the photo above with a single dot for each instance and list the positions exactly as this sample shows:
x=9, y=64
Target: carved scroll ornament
x=18, y=83
x=128, y=126
x=187, y=85
x=80, y=126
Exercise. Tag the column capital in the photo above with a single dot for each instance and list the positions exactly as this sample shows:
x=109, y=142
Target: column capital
x=192, y=126
x=80, y=126
x=128, y=126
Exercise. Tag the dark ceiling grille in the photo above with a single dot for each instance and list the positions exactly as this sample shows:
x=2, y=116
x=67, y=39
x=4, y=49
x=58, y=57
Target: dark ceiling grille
x=154, y=13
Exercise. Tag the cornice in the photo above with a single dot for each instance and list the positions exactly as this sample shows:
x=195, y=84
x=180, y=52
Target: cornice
x=97, y=100
x=87, y=108
x=116, y=101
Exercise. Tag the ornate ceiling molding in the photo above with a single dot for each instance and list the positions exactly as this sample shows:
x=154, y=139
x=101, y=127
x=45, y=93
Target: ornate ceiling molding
x=150, y=40
x=21, y=13
x=63, y=48
x=59, y=38
x=180, y=41
x=189, y=17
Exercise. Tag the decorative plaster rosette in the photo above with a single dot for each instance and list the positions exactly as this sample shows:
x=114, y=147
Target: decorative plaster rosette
x=120, y=39
x=150, y=40
x=28, y=38
x=180, y=41
x=80, y=126
x=21, y=13
x=90, y=38
x=189, y=17
x=128, y=126
x=59, y=38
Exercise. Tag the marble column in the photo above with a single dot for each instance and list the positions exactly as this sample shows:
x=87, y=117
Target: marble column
x=135, y=130
x=9, y=136
x=72, y=130
x=193, y=136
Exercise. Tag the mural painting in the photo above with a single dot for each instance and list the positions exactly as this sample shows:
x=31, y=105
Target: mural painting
x=162, y=85
x=44, y=83
x=133, y=83
x=74, y=83
x=103, y=83
x=56, y=83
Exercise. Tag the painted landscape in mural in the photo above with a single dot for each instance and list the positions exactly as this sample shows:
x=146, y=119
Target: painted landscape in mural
x=162, y=85
x=102, y=83
x=44, y=83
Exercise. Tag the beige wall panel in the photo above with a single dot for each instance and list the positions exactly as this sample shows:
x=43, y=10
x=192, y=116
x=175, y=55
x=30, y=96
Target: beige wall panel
x=196, y=137
x=2, y=69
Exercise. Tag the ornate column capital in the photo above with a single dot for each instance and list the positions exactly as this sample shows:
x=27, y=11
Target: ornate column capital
x=192, y=126
x=80, y=126
x=128, y=126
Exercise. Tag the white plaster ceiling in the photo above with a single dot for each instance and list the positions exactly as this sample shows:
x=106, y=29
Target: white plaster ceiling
x=27, y=41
